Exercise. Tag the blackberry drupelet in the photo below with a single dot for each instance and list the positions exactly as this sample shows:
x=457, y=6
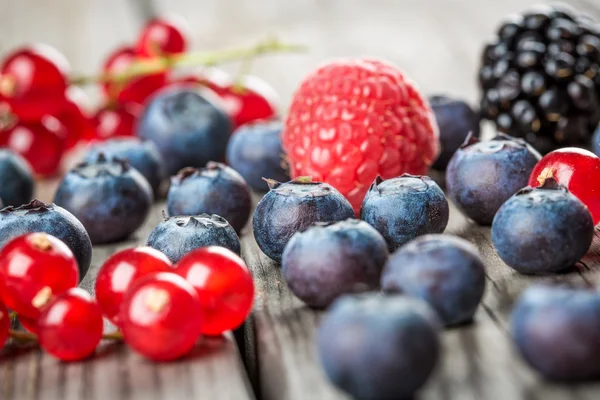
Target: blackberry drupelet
x=540, y=78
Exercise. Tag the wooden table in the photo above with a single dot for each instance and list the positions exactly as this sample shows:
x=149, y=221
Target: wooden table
x=438, y=43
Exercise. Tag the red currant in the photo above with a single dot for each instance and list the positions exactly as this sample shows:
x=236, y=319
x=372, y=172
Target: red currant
x=70, y=326
x=41, y=143
x=575, y=168
x=123, y=269
x=135, y=90
x=253, y=99
x=33, y=268
x=33, y=81
x=4, y=324
x=160, y=316
x=115, y=121
x=74, y=117
x=163, y=36
x=224, y=286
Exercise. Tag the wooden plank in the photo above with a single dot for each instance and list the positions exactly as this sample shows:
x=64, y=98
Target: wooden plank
x=480, y=361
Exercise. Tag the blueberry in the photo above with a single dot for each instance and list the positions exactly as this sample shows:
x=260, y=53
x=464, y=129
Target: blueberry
x=456, y=119
x=333, y=258
x=177, y=236
x=541, y=230
x=292, y=207
x=443, y=270
x=483, y=175
x=142, y=155
x=255, y=152
x=215, y=189
x=557, y=331
x=379, y=347
x=405, y=207
x=16, y=178
x=52, y=219
x=111, y=199
x=186, y=125
x=596, y=141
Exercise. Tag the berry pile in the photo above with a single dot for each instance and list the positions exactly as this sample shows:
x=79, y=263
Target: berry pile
x=354, y=130
x=540, y=78
x=43, y=112
x=161, y=309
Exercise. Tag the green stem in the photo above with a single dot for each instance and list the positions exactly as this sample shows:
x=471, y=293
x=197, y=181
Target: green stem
x=160, y=64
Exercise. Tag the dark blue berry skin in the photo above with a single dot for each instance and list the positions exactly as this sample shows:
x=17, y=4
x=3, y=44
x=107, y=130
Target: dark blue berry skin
x=255, y=152
x=215, y=189
x=52, y=219
x=557, y=331
x=455, y=119
x=596, y=141
x=16, y=179
x=481, y=176
x=140, y=154
x=292, y=207
x=379, y=347
x=187, y=126
x=111, y=199
x=330, y=259
x=405, y=207
x=177, y=236
x=542, y=230
x=443, y=270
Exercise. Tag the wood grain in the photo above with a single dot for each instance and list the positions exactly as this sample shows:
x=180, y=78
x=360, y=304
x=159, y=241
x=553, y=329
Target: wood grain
x=479, y=360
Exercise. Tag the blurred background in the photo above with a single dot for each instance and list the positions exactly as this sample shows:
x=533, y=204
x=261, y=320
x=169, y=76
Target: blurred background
x=438, y=42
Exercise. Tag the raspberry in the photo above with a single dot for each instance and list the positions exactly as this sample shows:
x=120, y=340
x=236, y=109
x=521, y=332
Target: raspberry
x=352, y=120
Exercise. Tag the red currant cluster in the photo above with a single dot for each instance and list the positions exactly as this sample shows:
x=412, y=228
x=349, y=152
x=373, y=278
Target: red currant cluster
x=43, y=112
x=161, y=309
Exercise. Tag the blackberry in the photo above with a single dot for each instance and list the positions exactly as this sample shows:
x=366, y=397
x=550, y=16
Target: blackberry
x=540, y=78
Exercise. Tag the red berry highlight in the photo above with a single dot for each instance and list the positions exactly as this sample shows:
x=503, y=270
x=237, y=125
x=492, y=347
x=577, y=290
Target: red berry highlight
x=117, y=121
x=33, y=268
x=224, y=286
x=70, y=326
x=4, y=324
x=41, y=143
x=33, y=81
x=122, y=270
x=134, y=90
x=575, y=168
x=352, y=120
x=161, y=317
x=74, y=117
x=163, y=36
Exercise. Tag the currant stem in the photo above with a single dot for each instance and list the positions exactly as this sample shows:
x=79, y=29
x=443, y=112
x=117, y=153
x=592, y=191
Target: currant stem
x=25, y=336
x=160, y=64
x=115, y=335
x=22, y=336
